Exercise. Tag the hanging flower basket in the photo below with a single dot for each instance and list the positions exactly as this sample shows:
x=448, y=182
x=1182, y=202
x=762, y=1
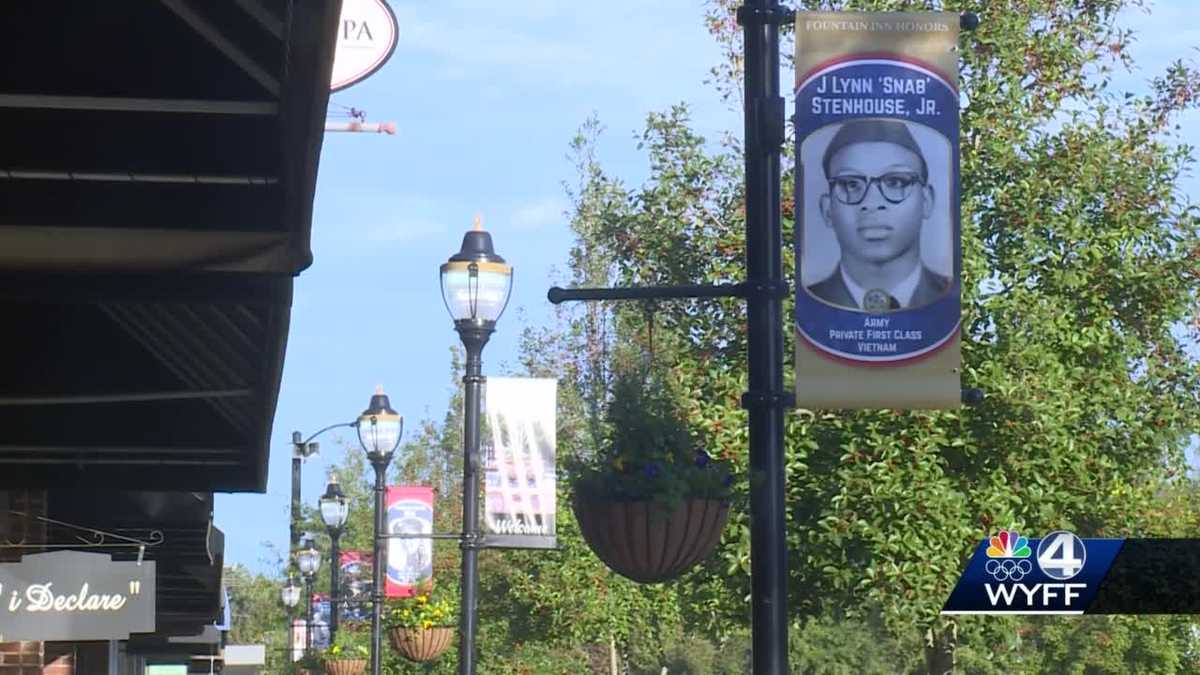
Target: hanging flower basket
x=344, y=666
x=642, y=541
x=421, y=644
x=651, y=501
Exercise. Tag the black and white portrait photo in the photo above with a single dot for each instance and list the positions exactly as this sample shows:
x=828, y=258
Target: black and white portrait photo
x=877, y=231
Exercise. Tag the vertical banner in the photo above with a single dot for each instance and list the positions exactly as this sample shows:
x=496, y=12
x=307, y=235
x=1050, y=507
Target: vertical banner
x=299, y=639
x=320, y=620
x=520, y=482
x=878, y=259
x=355, y=585
x=409, y=561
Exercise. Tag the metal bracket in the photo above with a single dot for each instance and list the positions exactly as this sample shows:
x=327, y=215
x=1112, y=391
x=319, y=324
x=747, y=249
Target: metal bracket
x=85, y=537
x=557, y=295
x=769, y=399
x=471, y=541
x=769, y=119
x=777, y=15
x=777, y=290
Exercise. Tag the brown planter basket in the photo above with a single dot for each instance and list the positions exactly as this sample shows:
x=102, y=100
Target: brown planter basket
x=638, y=540
x=421, y=645
x=344, y=666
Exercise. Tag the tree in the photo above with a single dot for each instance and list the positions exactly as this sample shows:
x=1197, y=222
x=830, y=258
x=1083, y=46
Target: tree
x=257, y=615
x=1080, y=283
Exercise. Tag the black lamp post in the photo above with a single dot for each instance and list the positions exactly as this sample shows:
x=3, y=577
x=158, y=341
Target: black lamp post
x=476, y=284
x=290, y=595
x=335, y=508
x=309, y=561
x=301, y=450
x=379, y=429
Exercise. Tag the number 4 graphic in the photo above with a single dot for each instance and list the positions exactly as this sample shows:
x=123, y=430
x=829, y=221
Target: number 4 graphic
x=1061, y=555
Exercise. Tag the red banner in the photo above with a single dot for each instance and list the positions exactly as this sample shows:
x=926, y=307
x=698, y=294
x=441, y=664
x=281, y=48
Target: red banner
x=409, y=560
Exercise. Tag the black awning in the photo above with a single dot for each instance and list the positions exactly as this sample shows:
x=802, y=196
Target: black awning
x=158, y=160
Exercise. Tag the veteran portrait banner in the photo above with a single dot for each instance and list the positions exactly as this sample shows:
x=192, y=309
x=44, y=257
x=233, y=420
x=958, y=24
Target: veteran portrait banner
x=356, y=585
x=409, y=559
x=878, y=259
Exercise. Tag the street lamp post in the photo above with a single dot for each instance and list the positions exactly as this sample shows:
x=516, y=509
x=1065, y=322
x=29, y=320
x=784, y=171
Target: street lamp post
x=309, y=560
x=335, y=508
x=476, y=284
x=290, y=595
x=379, y=429
x=301, y=450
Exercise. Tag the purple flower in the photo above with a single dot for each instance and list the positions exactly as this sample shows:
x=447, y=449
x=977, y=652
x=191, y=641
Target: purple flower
x=727, y=480
x=702, y=459
x=651, y=470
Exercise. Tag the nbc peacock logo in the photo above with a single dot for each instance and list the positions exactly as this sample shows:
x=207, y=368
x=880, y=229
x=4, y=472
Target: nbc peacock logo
x=1008, y=556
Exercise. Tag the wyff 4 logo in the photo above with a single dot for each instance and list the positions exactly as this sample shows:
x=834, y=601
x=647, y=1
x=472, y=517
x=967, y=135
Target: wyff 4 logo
x=1060, y=556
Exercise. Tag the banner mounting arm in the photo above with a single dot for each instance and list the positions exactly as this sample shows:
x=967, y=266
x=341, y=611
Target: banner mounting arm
x=85, y=537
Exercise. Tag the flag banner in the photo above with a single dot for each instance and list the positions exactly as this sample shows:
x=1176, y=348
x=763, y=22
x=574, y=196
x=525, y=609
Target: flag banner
x=1061, y=573
x=519, y=479
x=299, y=639
x=320, y=620
x=878, y=258
x=409, y=561
x=355, y=586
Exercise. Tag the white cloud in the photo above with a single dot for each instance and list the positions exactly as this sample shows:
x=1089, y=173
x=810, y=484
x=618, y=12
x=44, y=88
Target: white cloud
x=543, y=213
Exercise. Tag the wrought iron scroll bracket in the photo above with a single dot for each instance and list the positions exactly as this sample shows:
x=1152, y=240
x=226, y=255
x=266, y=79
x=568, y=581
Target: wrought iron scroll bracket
x=84, y=537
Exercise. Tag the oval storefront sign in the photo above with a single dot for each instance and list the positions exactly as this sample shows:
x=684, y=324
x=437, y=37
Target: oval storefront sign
x=367, y=33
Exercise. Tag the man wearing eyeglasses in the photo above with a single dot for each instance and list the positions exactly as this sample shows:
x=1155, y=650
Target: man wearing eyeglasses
x=878, y=199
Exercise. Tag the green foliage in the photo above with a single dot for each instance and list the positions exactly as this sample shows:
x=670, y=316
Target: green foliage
x=1080, y=281
x=256, y=612
x=350, y=643
x=1081, y=273
x=423, y=610
x=831, y=647
x=649, y=452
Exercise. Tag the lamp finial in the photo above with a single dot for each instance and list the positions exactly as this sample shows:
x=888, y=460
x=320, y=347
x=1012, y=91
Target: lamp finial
x=478, y=222
x=379, y=390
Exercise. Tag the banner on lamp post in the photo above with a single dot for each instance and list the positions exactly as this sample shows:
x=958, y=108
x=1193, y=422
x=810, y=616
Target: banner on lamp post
x=320, y=620
x=520, y=481
x=299, y=639
x=409, y=561
x=878, y=258
x=355, y=585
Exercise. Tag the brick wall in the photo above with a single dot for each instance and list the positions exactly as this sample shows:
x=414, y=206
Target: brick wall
x=21, y=658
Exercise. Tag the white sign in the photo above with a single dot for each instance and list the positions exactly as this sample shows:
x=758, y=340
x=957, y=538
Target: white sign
x=520, y=481
x=367, y=32
x=72, y=595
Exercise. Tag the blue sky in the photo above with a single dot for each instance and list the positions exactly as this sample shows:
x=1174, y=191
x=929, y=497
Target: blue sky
x=486, y=97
